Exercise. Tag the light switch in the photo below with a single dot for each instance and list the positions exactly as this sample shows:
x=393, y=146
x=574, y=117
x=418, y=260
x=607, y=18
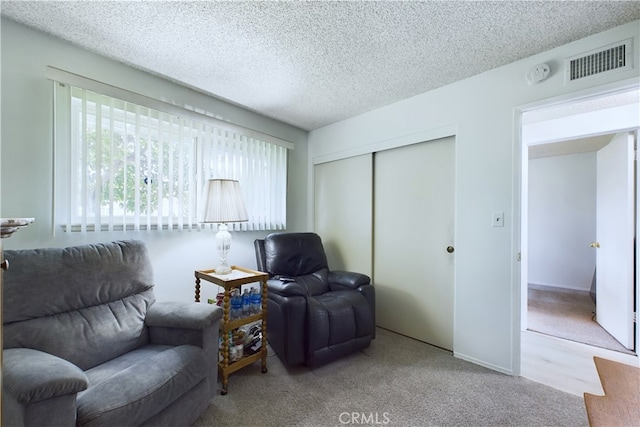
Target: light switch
x=497, y=219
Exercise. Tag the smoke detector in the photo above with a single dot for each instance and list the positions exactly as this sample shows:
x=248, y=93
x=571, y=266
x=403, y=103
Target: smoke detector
x=538, y=73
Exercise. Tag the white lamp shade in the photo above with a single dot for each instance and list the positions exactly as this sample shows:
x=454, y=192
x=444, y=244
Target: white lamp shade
x=223, y=202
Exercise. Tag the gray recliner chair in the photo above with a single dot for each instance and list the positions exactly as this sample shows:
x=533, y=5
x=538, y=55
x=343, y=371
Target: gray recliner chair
x=314, y=315
x=85, y=344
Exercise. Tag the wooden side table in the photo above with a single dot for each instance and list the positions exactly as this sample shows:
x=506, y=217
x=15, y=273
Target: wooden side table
x=239, y=276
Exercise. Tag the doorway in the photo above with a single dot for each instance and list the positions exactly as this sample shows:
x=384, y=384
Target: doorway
x=562, y=150
x=566, y=214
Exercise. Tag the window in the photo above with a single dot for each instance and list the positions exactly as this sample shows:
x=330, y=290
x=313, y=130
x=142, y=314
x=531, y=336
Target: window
x=125, y=166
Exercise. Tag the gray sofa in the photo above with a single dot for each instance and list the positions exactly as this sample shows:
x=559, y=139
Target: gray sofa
x=85, y=343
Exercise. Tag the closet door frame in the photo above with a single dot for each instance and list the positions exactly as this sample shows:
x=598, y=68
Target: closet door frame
x=371, y=148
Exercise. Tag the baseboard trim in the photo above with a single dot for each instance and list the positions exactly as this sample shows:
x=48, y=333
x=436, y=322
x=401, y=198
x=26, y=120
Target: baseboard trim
x=568, y=288
x=483, y=363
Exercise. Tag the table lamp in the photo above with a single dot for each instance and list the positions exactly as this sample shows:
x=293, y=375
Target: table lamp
x=223, y=204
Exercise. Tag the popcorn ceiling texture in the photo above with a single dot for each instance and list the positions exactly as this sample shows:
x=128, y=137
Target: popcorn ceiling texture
x=310, y=64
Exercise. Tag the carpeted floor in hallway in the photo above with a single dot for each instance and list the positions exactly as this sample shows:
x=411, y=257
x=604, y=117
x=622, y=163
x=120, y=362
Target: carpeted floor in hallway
x=567, y=314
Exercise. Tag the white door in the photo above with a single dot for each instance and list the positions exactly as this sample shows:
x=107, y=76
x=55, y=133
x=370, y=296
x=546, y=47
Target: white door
x=615, y=238
x=413, y=227
x=343, y=216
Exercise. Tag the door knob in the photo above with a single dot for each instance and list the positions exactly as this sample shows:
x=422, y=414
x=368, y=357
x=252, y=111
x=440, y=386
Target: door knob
x=595, y=245
x=450, y=249
x=5, y=264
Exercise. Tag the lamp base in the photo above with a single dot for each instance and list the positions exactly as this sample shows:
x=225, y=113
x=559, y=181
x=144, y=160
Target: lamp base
x=223, y=269
x=223, y=243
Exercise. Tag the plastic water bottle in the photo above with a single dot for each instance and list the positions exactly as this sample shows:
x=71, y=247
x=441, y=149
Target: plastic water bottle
x=246, y=303
x=236, y=304
x=256, y=300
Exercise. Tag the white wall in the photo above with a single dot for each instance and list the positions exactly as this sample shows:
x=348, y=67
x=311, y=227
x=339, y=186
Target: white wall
x=483, y=110
x=27, y=157
x=562, y=220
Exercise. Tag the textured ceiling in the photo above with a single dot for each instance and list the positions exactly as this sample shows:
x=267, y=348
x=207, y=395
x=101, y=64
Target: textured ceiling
x=310, y=64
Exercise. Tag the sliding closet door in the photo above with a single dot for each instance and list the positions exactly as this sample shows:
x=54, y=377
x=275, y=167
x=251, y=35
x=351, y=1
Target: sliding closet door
x=343, y=202
x=413, y=236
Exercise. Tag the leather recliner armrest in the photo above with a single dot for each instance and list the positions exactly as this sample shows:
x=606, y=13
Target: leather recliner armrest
x=286, y=288
x=342, y=280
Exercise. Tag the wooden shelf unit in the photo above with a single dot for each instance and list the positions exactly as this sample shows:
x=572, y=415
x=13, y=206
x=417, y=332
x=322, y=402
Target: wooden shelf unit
x=239, y=276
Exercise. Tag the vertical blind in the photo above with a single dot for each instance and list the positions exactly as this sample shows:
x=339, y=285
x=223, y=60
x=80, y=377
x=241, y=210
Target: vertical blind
x=133, y=167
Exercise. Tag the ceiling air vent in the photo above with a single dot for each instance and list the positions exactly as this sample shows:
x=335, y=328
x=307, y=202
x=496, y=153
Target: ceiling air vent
x=616, y=57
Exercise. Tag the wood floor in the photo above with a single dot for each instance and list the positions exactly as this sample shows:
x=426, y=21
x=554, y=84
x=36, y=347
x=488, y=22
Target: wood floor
x=565, y=365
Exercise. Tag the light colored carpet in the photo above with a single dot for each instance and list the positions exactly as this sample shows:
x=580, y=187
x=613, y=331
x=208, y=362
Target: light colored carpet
x=567, y=314
x=397, y=381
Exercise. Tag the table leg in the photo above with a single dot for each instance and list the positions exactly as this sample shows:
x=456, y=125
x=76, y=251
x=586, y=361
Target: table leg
x=225, y=381
x=263, y=347
x=197, y=289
